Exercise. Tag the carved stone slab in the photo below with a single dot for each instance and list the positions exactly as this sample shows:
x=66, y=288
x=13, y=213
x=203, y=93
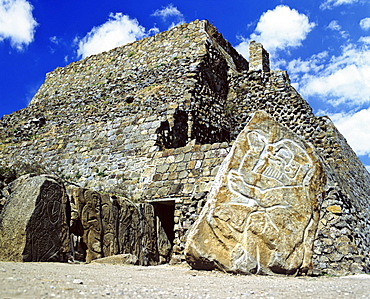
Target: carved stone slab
x=115, y=226
x=136, y=233
x=262, y=211
x=33, y=224
x=98, y=220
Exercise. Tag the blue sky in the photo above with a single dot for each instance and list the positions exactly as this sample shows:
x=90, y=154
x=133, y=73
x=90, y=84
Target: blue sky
x=323, y=44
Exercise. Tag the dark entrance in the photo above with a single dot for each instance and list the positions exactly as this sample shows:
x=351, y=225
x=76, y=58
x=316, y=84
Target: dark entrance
x=164, y=210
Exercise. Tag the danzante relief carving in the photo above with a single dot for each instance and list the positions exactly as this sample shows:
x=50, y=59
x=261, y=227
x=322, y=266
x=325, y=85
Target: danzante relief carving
x=34, y=226
x=43, y=237
x=261, y=213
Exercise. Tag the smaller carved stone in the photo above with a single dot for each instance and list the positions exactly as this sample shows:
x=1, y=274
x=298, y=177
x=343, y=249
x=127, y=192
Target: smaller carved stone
x=163, y=243
x=88, y=203
x=114, y=226
x=136, y=233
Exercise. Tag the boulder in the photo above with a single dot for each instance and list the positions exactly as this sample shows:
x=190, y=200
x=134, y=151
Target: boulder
x=261, y=214
x=34, y=222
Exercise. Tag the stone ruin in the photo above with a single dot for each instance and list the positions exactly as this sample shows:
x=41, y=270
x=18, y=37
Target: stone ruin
x=176, y=148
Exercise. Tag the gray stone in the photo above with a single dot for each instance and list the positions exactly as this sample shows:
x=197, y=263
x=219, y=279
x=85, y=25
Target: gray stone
x=33, y=223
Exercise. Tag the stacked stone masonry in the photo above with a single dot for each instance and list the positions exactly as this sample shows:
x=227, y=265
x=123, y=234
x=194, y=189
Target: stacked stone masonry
x=153, y=120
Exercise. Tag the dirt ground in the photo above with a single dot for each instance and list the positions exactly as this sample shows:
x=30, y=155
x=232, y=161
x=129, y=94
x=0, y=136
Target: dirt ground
x=57, y=280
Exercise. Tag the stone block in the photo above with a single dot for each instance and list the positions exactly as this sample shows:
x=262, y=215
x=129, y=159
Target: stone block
x=188, y=188
x=34, y=222
x=261, y=214
x=334, y=209
x=181, y=166
x=191, y=164
x=183, y=174
x=162, y=168
x=119, y=259
x=172, y=167
x=197, y=156
x=179, y=157
x=173, y=176
x=187, y=157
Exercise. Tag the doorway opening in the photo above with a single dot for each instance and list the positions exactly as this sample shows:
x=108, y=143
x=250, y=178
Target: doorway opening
x=164, y=209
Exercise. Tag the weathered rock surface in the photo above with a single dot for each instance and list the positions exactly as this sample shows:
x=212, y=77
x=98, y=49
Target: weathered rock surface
x=262, y=212
x=34, y=222
x=126, y=258
x=137, y=232
x=116, y=226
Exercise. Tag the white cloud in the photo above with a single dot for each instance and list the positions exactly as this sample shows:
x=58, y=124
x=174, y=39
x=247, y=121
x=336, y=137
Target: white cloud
x=354, y=127
x=117, y=31
x=367, y=167
x=54, y=40
x=243, y=47
x=364, y=39
x=330, y=4
x=365, y=24
x=170, y=11
x=314, y=64
x=343, y=79
x=279, y=28
x=17, y=22
x=334, y=25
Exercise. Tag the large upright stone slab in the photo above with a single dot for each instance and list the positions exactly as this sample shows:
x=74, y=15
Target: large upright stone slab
x=34, y=222
x=98, y=219
x=262, y=211
x=136, y=232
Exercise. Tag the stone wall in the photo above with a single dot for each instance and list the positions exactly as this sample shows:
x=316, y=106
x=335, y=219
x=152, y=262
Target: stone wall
x=343, y=230
x=154, y=119
x=259, y=58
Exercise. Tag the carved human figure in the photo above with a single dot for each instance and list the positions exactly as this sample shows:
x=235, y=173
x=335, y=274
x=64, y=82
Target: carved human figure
x=44, y=235
x=108, y=219
x=91, y=222
x=262, y=187
x=261, y=214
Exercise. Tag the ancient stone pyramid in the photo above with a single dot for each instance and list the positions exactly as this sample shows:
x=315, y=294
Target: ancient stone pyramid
x=153, y=120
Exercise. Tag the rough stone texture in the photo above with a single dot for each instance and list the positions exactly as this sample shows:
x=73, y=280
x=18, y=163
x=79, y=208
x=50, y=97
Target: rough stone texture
x=137, y=232
x=127, y=258
x=115, y=226
x=6, y=177
x=262, y=212
x=34, y=222
x=96, y=223
x=259, y=59
x=154, y=119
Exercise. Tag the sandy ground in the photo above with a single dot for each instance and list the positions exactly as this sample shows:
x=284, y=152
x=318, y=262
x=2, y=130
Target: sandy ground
x=55, y=280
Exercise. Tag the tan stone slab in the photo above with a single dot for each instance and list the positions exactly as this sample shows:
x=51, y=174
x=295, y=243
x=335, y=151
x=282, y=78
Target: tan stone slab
x=334, y=209
x=262, y=211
